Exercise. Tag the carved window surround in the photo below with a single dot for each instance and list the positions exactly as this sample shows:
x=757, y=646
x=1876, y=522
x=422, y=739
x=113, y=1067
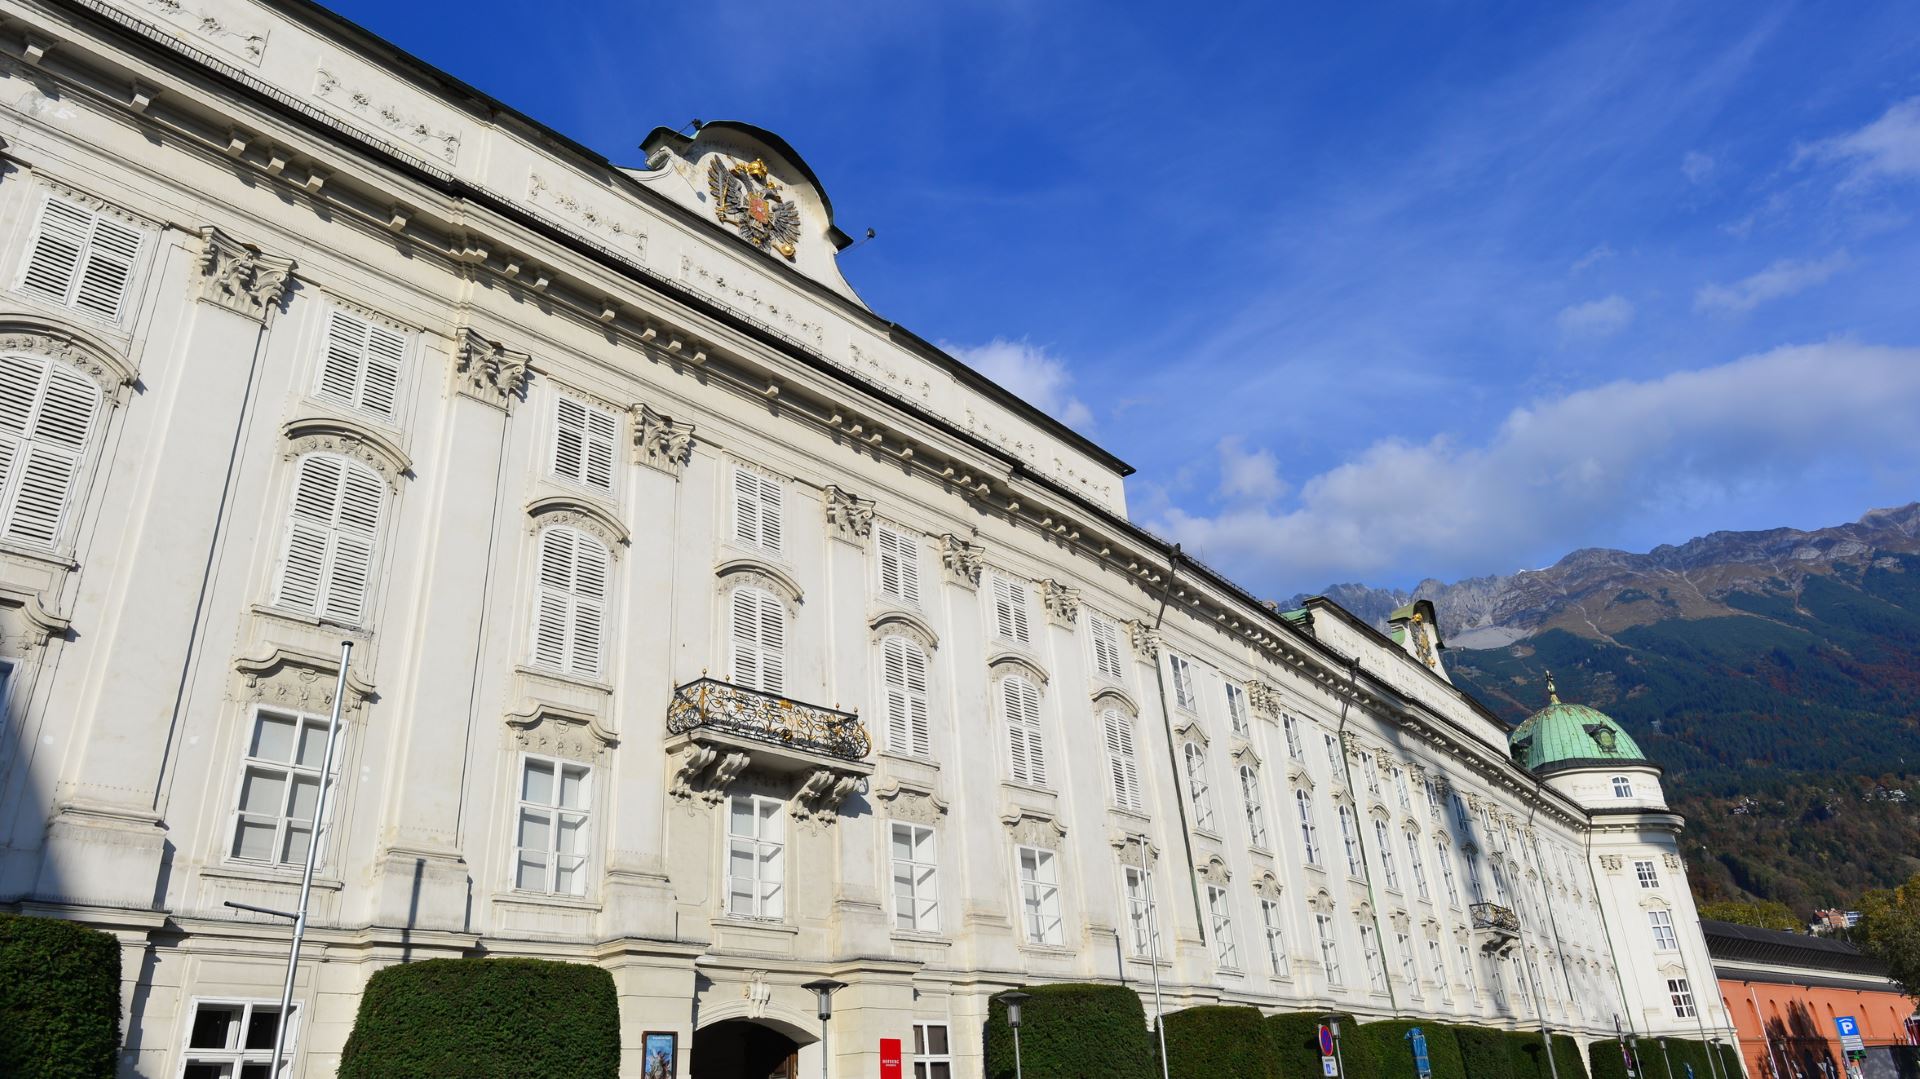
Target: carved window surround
x=911, y=802
x=761, y=574
x=1002, y=664
x=1112, y=696
x=557, y=731
x=1214, y=871
x=297, y=680
x=577, y=512
x=350, y=438
x=905, y=624
x=60, y=339
x=1030, y=829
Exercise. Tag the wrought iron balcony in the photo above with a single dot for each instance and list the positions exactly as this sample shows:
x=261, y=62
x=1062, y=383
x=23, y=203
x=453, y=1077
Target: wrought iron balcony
x=1500, y=924
x=712, y=705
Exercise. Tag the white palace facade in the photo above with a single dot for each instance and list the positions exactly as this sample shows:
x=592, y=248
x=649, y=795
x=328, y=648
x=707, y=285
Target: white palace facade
x=707, y=626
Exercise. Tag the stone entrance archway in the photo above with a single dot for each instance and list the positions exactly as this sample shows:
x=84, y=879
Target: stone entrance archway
x=747, y=1049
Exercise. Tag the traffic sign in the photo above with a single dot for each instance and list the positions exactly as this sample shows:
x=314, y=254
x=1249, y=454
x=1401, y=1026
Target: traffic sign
x=1326, y=1040
x=1422, y=1067
x=1849, y=1029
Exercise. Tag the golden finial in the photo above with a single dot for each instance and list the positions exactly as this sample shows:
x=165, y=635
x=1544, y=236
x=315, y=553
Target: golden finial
x=1553, y=695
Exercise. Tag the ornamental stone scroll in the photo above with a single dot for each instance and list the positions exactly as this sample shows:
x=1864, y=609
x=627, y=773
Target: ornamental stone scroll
x=962, y=560
x=849, y=518
x=1144, y=638
x=488, y=371
x=1062, y=603
x=238, y=277
x=661, y=443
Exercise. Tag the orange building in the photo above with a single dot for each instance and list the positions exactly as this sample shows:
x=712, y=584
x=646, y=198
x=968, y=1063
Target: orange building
x=1785, y=991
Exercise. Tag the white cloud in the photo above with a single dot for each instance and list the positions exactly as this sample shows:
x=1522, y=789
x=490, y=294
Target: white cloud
x=1783, y=278
x=1886, y=148
x=1559, y=472
x=1696, y=167
x=1030, y=373
x=1248, y=476
x=1595, y=318
x=1599, y=254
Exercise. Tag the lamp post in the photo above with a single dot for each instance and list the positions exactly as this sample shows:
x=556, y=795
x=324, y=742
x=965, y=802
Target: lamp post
x=1013, y=1001
x=823, y=989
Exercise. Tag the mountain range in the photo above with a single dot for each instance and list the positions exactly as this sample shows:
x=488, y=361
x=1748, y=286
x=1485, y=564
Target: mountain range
x=1775, y=675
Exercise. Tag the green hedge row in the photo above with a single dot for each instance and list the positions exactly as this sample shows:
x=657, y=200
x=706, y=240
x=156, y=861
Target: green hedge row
x=1658, y=1055
x=486, y=1017
x=59, y=999
x=1220, y=1041
x=1072, y=1031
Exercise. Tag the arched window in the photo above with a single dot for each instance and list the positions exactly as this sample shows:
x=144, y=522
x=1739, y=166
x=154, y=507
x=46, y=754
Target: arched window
x=1026, y=752
x=1198, y=790
x=333, y=524
x=1122, y=765
x=47, y=414
x=903, y=675
x=759, y=634
x=570, y=602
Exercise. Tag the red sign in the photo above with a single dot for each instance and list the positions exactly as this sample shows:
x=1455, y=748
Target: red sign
x=889, y=1058
x=1326, y=1040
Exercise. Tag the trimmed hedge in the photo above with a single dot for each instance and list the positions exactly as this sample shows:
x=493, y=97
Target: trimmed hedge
x=59, y=999
x=1294, y=1041
x=1393, y=1052
x=1073, y=1031
x=486, y=1017
x=1680, y=1052
x=1212, y=1041
x=1485, y=1053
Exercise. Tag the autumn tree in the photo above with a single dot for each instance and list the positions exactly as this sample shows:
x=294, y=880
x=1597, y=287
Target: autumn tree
x=1889, y=930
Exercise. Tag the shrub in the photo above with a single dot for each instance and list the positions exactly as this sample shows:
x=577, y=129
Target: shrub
x=1073, y=1031
x=59, y=999
x=1215, y=1041
x=486, y=1017
x=1485, y=1053
x=1293, y=1040
x=1605, y=1062
x=1392, y=1051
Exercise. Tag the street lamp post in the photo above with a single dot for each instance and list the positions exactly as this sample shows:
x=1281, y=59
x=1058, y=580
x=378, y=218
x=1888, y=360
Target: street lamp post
x=1013, y=1001
x=823, y=989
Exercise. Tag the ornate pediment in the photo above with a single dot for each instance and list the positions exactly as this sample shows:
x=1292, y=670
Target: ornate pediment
x=1214, y=871
x=349, y=438
x=577, y=512
x=760, y=574
x=910, y=802
x=1031, y=829
x=560, y=732
x=45, y=335
x=298, y=681
x=905, y=624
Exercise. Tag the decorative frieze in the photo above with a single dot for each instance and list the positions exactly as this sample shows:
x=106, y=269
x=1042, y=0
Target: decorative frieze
x=440, y=143
x=911, y=803
x=849, y=518
x=962, y=560
x=299, y=682
x=1031, y=829
x=1061, y=602
x=238, y=277
x=661, y=443
x=1610, y=862
x=488, y=371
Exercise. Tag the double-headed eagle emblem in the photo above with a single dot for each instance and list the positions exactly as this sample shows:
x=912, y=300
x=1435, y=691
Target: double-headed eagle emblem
x=745, y=197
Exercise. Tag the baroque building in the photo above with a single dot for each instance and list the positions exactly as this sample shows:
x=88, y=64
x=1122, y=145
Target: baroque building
x=706, y=626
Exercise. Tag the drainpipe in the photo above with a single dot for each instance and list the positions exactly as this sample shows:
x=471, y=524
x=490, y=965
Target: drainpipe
x=1366, y=867
x=1173, y=753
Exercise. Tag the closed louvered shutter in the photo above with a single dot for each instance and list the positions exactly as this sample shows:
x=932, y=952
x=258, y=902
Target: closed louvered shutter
x=759, y=640
x=583, y=444
x=1010, y=610
x=1106, y=648
x=899, y=566
x=1120, y=759
x=1027, y=753
x=570, y=602
x=327, y=566
x=756, y=510
x=46, y=418
x=80, y=258
x=904, y=670
x=361, y=365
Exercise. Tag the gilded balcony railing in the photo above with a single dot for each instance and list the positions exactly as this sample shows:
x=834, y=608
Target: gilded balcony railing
x=1495, y=917
x=711, y=704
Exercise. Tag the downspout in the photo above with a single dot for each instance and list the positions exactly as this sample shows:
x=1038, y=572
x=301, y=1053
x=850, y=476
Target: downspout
x=1366, y=867
x=1173, y=753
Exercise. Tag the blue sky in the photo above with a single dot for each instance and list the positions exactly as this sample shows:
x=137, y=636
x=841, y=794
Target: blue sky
x=1375, y=293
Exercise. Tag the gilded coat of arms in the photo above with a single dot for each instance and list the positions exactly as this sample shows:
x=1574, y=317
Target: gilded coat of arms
x=745, y=197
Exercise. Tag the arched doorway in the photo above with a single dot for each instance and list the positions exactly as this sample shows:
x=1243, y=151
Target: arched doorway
x=746, y=1049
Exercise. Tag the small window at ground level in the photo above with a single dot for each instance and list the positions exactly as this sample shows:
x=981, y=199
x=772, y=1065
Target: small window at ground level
x=234, y=1039
x=932, y=1056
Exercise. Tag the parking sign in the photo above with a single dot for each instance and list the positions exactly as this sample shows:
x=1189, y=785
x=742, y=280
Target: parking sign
x=1849, y=1029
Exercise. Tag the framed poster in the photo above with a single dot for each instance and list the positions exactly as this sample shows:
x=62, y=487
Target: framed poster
x=660, y=1054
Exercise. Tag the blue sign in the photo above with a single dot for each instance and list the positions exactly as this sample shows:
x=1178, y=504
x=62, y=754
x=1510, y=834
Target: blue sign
x=1422, y=1068
x=1848, y=1026
x=1326, y=1040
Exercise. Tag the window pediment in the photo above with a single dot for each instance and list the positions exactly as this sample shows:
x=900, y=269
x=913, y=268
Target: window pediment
x=1214, y=871
x=1113, y=697
x=754, y=571
x=1190, y=731
x=540, y=727
x=85, y=351
x=1031, y=829
x=905, y=624
x=299, y=680
x=580, y=513
x=1005, y=663
x=350, y=438
x=1267, y=887
x=1245, y=755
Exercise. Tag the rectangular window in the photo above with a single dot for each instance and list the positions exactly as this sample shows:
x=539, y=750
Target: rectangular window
x=1399, y=777
x=1039, y=895
x=1010, y=611
x=1443, y=851
x=1433, y=797
x=756, y=510
x=48, y=413
x=1329, y=950
x=80, y=259
x=1237, y=708
x=756, y=856
x=1462, y=816
x=1026, y=748
x=1403, y=944
x=1122, y=766
x=1419, y=865
x=1199, y=791
x=279, y=789
x=233, y=1039
x=1334, y=764
x=1106, y=648
x=1309, y=832
x=1350, y=838
x=550, y=834
x=1466, y=972
x=361, y=365
x=583, y=444
x=1437, y=966
x=1273, y=924
x=1682, y=996
x=1183, y=696
x=1647, y=875
x=759, y=636
x=1622, y=787
x=1474, y=887
x=333, y=522
x=1383, y=836
x=1140, y=913
x=1220, y=915
x=1661, y=922
x=903, y=678
x=932, y=1057
x=1292, y=728
x=1376, y=965
x=1256, y=810
x=1370, y=770
x=916, y=906
x=899, y=564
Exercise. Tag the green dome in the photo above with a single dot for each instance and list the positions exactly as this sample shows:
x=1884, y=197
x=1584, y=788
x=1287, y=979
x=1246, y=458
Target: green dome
x=1563, y=735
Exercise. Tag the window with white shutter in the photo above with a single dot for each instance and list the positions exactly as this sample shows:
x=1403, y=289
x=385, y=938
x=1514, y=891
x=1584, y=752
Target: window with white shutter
x=1106, y=648
x=759, y=628
x=1123, y=768
x=1027, y=754
x=903, y=674
x=1010, y=611
x=326, y=567
x=361, y=365
x=583, y=443
x=80, y=259
x=47, y=416
x=899, y=564
x=756, y=510
x=570, y=602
